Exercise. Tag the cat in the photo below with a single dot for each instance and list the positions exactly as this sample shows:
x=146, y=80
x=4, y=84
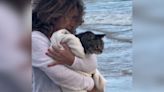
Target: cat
x=92, y=43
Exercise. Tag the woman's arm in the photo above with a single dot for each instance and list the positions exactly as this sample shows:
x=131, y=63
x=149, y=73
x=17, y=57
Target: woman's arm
x=59, y=74
x=88, y=64
x=67, y=78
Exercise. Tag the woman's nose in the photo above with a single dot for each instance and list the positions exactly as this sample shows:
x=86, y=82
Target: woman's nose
x=81, y=22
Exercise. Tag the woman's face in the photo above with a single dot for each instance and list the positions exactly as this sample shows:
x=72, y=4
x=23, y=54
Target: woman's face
x=71, y=21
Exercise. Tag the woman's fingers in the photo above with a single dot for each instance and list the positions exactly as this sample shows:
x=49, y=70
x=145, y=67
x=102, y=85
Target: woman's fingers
x=50, y=55
x=65, y=46
x=53, y=51
x=63, y=56
x=53, y=55
x=58, y=52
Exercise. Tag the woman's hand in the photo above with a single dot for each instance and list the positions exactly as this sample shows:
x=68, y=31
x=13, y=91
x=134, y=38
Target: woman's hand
x=61, y=56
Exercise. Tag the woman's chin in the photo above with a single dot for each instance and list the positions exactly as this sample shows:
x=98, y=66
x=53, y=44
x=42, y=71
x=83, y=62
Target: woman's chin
x=73, y=31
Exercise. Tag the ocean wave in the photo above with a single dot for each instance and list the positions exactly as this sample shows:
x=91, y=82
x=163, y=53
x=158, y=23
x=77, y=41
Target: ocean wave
x=113, y=19
x=113, y=13
x=93, y=1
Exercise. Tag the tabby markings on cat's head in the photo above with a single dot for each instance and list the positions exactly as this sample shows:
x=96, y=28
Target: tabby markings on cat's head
x=92, y=43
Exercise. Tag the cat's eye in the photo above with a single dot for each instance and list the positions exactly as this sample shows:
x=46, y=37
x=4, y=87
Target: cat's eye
x=98, y=47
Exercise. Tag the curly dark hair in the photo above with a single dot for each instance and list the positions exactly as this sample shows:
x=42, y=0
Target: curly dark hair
x=47, y=12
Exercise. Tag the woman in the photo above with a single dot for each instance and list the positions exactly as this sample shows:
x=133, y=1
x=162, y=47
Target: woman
x=50, y=16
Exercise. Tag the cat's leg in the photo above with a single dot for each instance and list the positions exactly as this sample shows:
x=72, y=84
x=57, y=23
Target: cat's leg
x=99, y=81
x=93, y=90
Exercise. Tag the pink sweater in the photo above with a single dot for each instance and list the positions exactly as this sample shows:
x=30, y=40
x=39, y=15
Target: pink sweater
x=47, y=79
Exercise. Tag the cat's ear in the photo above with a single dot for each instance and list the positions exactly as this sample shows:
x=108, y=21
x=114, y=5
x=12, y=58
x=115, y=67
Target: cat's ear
x=100, y=35
x=77, y=35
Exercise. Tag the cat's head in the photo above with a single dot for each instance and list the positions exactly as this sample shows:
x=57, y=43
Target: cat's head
x=92, y=43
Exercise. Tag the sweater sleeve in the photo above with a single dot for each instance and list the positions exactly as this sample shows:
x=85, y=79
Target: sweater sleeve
x=88, y=64
x=59, y=74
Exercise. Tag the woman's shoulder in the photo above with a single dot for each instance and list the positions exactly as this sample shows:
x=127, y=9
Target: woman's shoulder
x=36, y=35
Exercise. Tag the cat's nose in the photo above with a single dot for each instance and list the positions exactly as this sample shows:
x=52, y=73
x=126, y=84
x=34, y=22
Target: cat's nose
x=101, y=51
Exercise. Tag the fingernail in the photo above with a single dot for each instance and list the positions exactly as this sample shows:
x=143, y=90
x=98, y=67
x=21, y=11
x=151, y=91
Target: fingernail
x=51, y=65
